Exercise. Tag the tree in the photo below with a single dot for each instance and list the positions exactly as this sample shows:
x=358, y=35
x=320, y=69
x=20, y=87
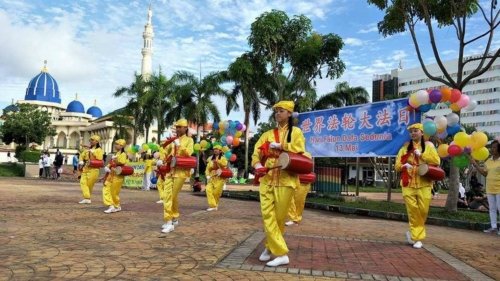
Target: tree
x=135, y=92
x=27, y=125
x=121, y=123
x=403, y=15
x=293, y=52
x=343, y=95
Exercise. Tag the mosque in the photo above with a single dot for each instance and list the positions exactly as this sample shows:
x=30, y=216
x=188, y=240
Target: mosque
x=73, y=124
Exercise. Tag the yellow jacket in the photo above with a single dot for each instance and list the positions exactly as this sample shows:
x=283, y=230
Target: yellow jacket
x=90, y=153
x=278, y=177
x=211, y=169
x=148, y=166
x=185, y=149
x=429, y=156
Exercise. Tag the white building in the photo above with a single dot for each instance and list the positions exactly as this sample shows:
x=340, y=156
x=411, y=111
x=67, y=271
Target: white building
x=485, y=89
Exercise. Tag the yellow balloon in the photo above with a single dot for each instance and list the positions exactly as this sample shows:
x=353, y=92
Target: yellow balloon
x=454, y=107
x=480, y=154
x=462, y=139
x=225, y=148
x=478, y=140
x=197, y=146
x=203, y=143
x=221, y=125
x=443, y=150
x=238, y=134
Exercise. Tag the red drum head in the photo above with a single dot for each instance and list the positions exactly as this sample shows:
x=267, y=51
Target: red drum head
x=295, y=163
x=124, y=170
x=96, y=163
x=183, y=162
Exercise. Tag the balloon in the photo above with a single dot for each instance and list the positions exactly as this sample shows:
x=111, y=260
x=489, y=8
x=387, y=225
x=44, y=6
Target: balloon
x=232, y=158
x=215, y=126
x=445, y=94
x=478, y=140
x=229, y=140
x=442, y=135
x=430, y=128
x=238, y=134
x=454, y=107
x=156, y=155
x=130, y=149
x=443, y=150
x=455, y=95
x=228, y=154
x=154, y=180
x=196, y=146
x=225, y=149
x=145, y=147
x=461, y=161
x=480, y=154
x=452, y=130
x=413, y=101
x=441, y=122
x=239, y=126
x=422, y=97
x=236, y=141
x=435, y=96
x=424, y=108
x=244, y=128
x=136, y=148
x=221, y=125
x=461, y=139
x=454, y=150
x=471, y=106
x=463, y=101
x=452, y=119
x=203, y=144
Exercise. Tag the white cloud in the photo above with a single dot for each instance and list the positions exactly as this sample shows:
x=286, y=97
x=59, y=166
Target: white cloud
x=369, y=29
x=353, y=41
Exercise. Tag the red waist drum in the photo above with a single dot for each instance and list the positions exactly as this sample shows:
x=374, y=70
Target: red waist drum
x=307, y=178
x=124, y=170
x=431, y=172
x=96, y=163
x=295, y=163
x=183, y=162
x=163, y=169
x=226, y=173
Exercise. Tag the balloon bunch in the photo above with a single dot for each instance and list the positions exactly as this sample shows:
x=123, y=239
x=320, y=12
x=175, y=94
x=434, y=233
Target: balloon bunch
x=230, y=132
x=146, y=147
x=424, y=101
x=463, y=144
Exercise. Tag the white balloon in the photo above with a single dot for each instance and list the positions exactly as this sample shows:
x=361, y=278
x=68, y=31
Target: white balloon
x=471, y=106
x=441, y=122
x=452, y=119
x=422, y=97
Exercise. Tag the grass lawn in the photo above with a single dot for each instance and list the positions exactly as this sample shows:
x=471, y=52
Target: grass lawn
x=11, y=170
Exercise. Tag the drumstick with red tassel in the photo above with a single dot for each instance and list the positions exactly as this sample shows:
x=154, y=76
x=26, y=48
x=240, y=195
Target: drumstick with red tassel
x=169, y=141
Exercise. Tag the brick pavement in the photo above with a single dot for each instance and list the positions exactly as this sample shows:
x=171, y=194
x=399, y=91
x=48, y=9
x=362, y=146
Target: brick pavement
x=45, y=235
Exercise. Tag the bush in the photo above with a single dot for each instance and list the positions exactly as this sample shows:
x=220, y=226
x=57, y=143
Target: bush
x=11, y=170
x=30, y=156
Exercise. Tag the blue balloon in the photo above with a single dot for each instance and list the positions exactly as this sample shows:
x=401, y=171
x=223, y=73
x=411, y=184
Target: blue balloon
x=424, y=108
x=452, y=130
x=430, y=128
x=154, y=180
x=215, y=126
x=228, y=154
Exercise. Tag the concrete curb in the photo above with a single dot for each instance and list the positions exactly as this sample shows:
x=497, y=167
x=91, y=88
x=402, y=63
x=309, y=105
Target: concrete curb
x=369, y=213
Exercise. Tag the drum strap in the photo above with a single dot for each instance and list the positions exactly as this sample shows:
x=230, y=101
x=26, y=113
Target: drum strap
x=405, y=176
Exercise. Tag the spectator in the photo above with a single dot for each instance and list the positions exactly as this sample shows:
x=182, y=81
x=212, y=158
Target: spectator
x=58, y=162
x=462, y=200
x=65, y=159
x=47, y=162
x=104, y=157
x=40, y=166
x=197, y=184
x=75, y=162
x=476, y=199
x=491, y=171
x=8, y=157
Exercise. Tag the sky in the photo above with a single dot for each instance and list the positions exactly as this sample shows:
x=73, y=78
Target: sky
x=94, y=47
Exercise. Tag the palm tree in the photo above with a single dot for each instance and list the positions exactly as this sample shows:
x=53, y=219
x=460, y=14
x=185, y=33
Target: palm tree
x=121, y=123
x=159, y=99
x=135, y=93
x=343, y=95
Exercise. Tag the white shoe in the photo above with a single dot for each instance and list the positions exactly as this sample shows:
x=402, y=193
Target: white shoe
x=265, y=256
x=110, y=210
x=408, y=238
x=117, y=209
x=212, y=209
x=490, y=230
x=159, y=202
x=281, y=260
x=85, y=201
x=175, y=222
x=168, y=228
x=418, y=245
x=288, y=223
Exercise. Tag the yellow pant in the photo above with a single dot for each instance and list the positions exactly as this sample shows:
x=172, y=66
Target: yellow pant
x=417, y=201
x=214, y=191
x=111, y=191
x=160, y=185
x=274, y=204
x=171, y=202
x=87, y=181
x=298, y=201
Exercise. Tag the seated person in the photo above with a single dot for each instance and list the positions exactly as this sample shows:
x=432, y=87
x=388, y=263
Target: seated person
x=476, y=198
x=197, y=184
x=462, y=200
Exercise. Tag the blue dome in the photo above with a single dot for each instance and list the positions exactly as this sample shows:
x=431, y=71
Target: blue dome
x=10, y=108
x=43, y=87
x=75, y=106
x=94, y=111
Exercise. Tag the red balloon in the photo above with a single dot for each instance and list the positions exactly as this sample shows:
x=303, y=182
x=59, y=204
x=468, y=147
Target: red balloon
x=455, y=95
x=454, y=150
x=232, y=158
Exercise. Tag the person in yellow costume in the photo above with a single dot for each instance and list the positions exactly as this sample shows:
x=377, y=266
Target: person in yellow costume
x=215, y=184
x=160, y=184
x=417, y=190
x=181, y=147
x=148, y=170
x=114, y=182
x=89, y=174
x=276, y=186
x=298, y=201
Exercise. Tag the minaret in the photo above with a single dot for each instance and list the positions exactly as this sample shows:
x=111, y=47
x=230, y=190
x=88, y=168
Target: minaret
x=147, y=50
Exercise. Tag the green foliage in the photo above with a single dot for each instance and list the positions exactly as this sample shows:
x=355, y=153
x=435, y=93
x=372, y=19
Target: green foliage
x=29, y=124
x=11, y=170
x=30, y=156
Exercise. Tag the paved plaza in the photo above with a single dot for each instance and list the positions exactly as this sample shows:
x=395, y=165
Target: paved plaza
x=46, y=235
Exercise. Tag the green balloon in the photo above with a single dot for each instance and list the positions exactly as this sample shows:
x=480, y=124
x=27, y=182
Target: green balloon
x=461, y=161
